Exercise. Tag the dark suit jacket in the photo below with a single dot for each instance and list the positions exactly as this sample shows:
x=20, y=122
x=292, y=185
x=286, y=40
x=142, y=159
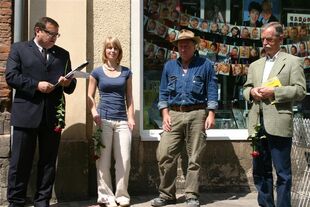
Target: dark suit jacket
x=247, y=23
x=25, y=68
x=272, y=18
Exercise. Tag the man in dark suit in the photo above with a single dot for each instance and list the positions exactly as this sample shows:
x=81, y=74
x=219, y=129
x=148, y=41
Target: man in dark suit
x=33, y=117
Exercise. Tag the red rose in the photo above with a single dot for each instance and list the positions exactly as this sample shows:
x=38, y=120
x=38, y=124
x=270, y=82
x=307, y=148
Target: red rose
x=255, y=154
x=58, y=129
x=96, y=157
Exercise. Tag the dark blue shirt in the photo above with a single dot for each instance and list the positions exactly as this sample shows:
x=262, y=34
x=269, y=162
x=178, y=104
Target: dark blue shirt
x=197, y=86
x=112, y=92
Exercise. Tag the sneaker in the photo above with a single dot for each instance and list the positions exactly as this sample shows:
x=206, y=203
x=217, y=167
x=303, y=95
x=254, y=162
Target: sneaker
x=157, y=202
x=105, y=205
x=192, y=202
x=111, y=203
x=124, y=203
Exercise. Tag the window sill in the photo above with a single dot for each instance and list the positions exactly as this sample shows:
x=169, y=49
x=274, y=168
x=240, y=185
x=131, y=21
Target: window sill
x=212, y=134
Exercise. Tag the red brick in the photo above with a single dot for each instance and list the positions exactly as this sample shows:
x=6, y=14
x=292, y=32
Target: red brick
x=2, y=66
x=2, y=78
x=4, y=56
x=4, y=4
x=3, y=85
x=5, y=27
x=5, y=92
x=5, y=12
x=6, y=19
x=6, y=34
x=6, y=41
x=4, y=49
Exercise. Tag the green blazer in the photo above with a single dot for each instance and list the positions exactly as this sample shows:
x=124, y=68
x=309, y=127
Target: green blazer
x=277, y=113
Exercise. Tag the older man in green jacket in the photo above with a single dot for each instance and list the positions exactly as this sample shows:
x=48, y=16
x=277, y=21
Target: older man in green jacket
x=273, y=84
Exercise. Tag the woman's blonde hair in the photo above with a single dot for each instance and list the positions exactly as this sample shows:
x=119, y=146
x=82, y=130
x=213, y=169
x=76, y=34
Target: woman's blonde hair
x=114, y=42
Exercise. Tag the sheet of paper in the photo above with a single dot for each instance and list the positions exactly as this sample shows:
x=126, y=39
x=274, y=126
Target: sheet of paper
x=77, y=69
x=76, y=73
x=272, y=82
x=79, y=74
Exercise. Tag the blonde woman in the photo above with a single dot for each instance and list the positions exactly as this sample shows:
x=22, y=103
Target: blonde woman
x=115, y=115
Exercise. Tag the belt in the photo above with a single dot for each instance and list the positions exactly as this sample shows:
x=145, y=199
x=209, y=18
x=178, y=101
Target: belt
x=187, y=108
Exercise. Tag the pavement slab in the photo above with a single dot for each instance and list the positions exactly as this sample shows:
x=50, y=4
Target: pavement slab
x=206, y=200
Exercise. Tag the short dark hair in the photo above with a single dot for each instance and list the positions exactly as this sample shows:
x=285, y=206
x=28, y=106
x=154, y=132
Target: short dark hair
x=214, y=44
x=235, y=28
x=256, y=6
x=41, y=23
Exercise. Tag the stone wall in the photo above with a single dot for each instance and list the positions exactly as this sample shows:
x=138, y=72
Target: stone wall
x=226, y=167
x=6, y=12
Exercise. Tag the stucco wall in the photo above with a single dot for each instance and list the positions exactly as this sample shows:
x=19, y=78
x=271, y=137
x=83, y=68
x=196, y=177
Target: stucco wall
x=109, y=18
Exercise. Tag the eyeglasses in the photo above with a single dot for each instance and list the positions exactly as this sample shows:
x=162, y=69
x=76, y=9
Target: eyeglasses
x=271, y=38
x=51, y=34
x=268, y=39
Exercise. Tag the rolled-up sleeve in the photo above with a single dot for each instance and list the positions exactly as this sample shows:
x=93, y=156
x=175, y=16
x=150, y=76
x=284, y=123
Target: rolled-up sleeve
x=163, y=91
x=212, y=89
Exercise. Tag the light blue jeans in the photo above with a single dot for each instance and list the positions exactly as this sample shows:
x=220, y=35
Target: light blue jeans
x=116, y=137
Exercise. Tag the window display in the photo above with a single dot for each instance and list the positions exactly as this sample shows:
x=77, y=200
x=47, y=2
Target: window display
x=230, y=46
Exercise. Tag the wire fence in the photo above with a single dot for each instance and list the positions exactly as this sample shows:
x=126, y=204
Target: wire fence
x=301, y=163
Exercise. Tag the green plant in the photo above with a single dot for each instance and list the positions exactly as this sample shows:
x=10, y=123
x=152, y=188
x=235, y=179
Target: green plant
x=60, y=115
x=255, y=138
x=96, y=137
x=61, y=111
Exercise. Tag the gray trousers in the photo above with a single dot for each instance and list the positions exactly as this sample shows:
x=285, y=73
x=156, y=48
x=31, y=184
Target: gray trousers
x=187, y=128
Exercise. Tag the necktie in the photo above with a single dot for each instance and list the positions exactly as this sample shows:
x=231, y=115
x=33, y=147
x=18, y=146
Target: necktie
x=44, y=53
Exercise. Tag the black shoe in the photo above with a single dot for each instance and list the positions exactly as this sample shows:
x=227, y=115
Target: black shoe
x=157, y=202
x=192, y=202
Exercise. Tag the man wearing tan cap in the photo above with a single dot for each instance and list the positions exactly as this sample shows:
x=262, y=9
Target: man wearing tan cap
x=187, y=100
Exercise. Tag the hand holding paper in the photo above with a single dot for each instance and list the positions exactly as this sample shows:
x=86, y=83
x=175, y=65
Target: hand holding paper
x=272, y=82
x=267, y=89
x=65, y=82
x=76, y=73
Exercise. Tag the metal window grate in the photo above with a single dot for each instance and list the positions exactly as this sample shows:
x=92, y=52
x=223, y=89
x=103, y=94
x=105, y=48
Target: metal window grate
x=301, y=163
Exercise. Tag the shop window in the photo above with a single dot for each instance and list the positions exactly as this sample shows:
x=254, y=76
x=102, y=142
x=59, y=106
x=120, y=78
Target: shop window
x=231, y=47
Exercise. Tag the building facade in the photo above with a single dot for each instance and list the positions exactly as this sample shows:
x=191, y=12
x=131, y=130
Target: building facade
x=83, y=27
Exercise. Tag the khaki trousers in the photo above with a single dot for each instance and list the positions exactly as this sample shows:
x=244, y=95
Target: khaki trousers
x=116, y=137
x=187, y=128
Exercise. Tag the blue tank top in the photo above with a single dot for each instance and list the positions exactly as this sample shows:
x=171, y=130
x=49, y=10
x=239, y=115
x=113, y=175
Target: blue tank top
x=112, y=90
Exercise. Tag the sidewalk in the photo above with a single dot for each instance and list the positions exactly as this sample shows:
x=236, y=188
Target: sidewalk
x=206, y=200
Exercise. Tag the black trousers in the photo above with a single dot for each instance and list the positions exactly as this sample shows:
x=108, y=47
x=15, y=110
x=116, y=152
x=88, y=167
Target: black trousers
x=23, y=150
